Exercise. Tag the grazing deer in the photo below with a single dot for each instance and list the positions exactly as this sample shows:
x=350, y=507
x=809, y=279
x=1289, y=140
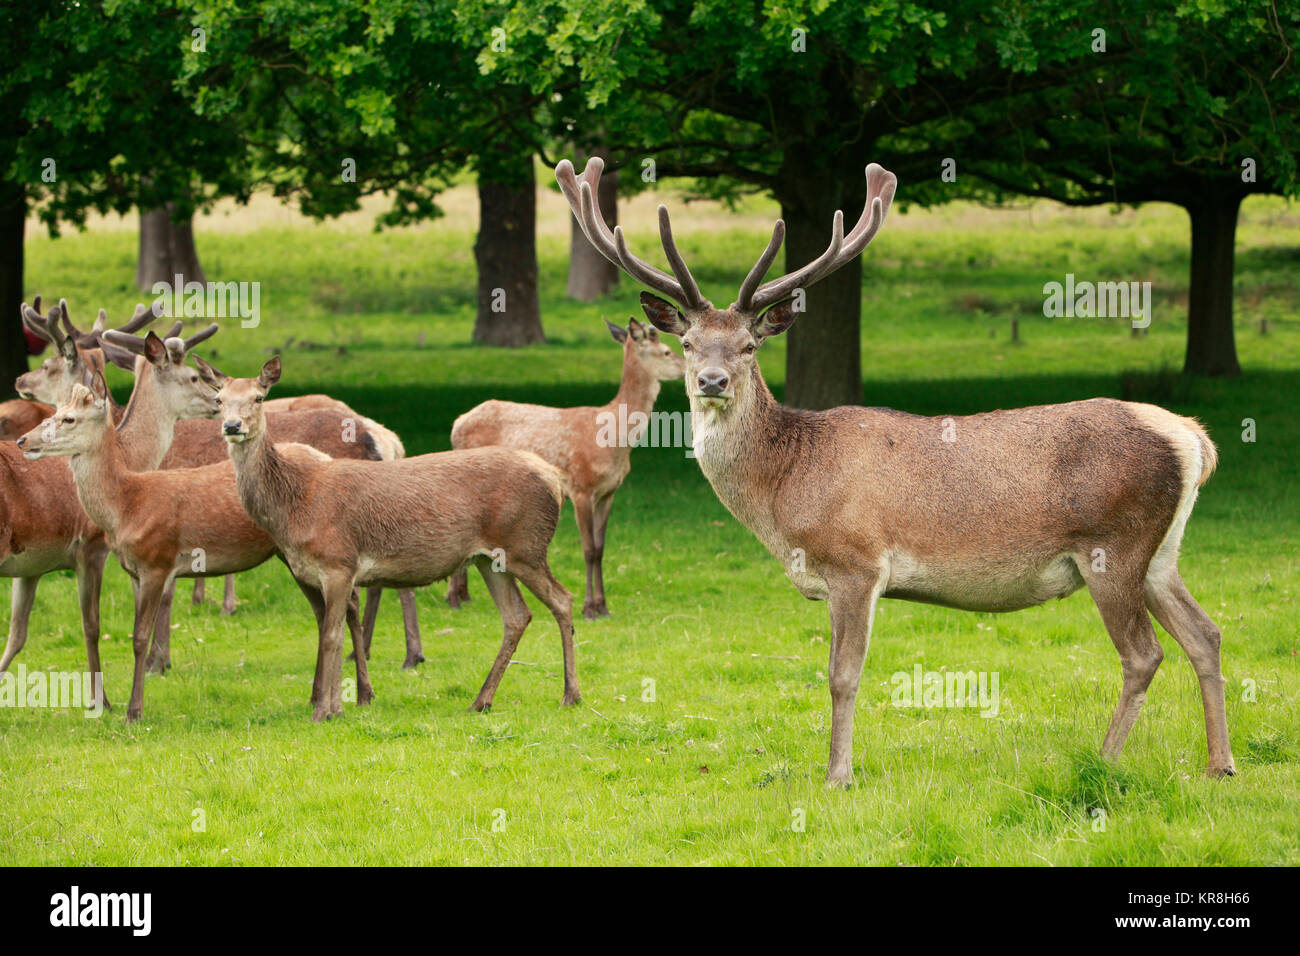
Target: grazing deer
x=43, y=528
x=990, y=512
x=403, y=523
x=569, y=438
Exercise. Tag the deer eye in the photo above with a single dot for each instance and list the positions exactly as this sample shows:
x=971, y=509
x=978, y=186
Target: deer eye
x=686, y=346
x=258, y=399
x=68, y=421
x=749, y=349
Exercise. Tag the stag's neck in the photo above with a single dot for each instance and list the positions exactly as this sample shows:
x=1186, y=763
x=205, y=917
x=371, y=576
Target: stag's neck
x=638, y=389
x=744, y=452
x=146, y=430
x=270, y=487
x=99, y=474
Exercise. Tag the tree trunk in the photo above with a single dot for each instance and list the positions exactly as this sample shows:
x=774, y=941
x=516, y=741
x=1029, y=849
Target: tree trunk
x=823, y=366
x=13, y=344
x=591, y=275
x=506, y=254
x=166, y=249
x=1211, y=345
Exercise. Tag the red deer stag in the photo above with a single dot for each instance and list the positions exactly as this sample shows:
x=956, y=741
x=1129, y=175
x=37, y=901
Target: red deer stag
x=990, y=512
x=403, y=523
x=571, y=440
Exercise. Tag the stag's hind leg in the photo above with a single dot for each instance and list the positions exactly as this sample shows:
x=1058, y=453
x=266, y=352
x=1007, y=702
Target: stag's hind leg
x=539, y=579
x=20, y=612
x=411, y=625
x=514, y=619
x=1180, y=615
x=1118, y=594
x=228, y=600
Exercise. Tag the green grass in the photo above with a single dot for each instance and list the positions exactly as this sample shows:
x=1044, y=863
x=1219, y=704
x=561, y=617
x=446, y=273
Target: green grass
x=731, y=750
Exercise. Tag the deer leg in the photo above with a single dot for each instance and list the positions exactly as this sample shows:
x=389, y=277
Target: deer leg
x=514, y=618
x=160, y=655
x=200, y=591
x=1180, y=615
x=20, y=612
x=336, y=591
x=600, y=520
x=1123, y=611
x=365, y=692
x=583, y=512
x=458, y=588
x=553, y=594
x=150, y=598
x=852, y=608
x=90, y=577
x=228, y=601
x=373, y=597
x=411, y=624
x=317, y=603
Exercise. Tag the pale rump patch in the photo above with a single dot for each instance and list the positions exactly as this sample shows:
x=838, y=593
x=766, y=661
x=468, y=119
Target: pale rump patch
x=1190, y=444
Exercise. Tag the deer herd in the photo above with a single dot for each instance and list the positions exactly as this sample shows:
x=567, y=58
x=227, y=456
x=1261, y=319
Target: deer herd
x=202, y=474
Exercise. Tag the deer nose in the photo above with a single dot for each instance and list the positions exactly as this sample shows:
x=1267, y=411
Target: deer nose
x=713, y=381
x=22, y=442
x=230, y=428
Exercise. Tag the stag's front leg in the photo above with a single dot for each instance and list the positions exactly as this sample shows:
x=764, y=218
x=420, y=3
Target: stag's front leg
x=852, y=607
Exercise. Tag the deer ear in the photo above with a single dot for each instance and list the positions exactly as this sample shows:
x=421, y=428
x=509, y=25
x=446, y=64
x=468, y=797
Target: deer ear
x=619, y=334
x=154, y=350
x=68, y=349
x=636, y=330
x=210, y=373
x=270, y=373
x=175, y=350
x=664, y=316
x=775, y=320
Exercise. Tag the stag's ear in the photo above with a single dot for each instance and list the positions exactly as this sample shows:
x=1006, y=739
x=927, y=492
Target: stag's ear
x=154, y=350
x=619, y=334
x=211, y=374
x=664, y=316
x=68, y=349
x=775, y=320
x=270, y=373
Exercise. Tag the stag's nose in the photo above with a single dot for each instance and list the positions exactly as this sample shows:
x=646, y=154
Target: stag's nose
x=230, y=428
x=22, y=442
x=712, y=381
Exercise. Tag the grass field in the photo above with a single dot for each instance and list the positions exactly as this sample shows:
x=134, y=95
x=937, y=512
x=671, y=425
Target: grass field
x=725, y=764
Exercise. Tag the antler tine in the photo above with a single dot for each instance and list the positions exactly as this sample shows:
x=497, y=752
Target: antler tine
x=778, y=289
x=744, y=298
x=581, y=194
x=198, y=337
x=34, y=321
x=121, y=357
x=141, y=318
x=124, y=340
x=881, y=186
x=684, y=278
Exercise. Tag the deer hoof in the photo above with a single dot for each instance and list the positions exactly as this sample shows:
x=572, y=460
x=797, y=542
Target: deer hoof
x=593, y=611
x=1219, y=773
x=411, y=662
x=133, y=714
x=571, y=698
x=479, y=706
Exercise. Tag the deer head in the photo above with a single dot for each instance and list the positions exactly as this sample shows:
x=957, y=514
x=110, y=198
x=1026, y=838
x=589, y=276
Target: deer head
x=641, y=343
x=179, y=389
x=720, y=345
x=76, y=427
x=240, y=399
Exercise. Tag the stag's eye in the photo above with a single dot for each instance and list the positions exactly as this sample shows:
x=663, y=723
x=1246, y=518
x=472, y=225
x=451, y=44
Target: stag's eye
x=68, y=421
x=749, y=349
x=258, y=399
x=686, y=346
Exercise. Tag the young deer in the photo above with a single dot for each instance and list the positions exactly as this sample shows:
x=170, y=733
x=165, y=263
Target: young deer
x=403, y=523
x=198, y=442
x=43, y=527
x=990, y=512
x=569, y=438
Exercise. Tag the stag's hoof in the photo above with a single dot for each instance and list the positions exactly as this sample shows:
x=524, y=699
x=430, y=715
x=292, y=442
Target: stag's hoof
x=839, y=779
x=593, y=611
x=411, y=662
x=157, y=667
x=571, y=697
x=133, y=714
x=1218, y=773
x=228, y=609
x=479, y=706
